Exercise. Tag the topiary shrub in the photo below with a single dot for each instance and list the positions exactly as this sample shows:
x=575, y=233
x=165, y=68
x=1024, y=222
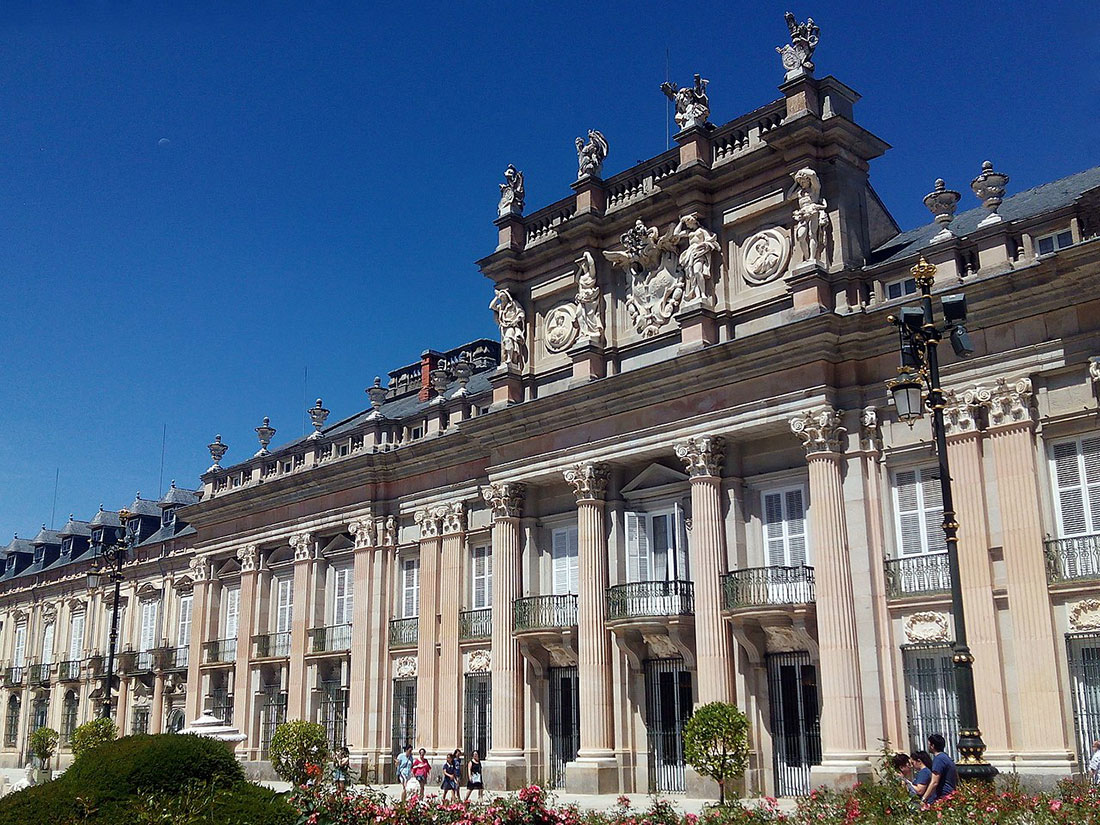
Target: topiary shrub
x=92, y=734
x=716, y=743
x=295, y=745
x=43, y=743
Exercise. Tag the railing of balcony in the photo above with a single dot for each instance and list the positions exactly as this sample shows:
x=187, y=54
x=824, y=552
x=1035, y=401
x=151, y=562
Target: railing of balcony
x=143, y=661
x=328, y=639
x=271, y=645
x=1073, y=558
x=761, y=586
x=68, y=671
x=475, y=624
x=13, y=675
x=642, y=599
x=220, y=650
x=176, y=658
x=545, y=612
x=917, y=575
x=404, y=632
x=40, y=674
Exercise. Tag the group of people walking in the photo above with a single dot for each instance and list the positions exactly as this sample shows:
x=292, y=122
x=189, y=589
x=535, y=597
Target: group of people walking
x=413, y=773
x=928, y=776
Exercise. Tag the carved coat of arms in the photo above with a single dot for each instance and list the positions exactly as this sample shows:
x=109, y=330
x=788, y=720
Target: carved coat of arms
x=656, y=281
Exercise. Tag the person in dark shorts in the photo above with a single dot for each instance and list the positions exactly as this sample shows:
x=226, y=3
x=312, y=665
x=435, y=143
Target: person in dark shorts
x=450, y=778
x=475, y=780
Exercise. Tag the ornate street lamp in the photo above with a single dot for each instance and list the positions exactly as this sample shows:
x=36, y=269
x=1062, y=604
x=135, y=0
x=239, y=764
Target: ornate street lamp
x=920, y=365
x=107, y=567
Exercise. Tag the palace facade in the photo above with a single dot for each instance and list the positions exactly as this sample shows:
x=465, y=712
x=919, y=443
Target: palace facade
x=677, y=478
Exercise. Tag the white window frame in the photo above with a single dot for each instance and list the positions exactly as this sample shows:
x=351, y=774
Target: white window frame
x=19, y=648
x=231, y=616
x=284, y=604
x=930, y=519
x=481, y=574
x=183, y=625
x=1089, y=492
x=168, y=517
x=901, y=282
x=77, y=628
x=564, y=560
x=49, y=641
x=408, y=587
x=643, y=562
x=147, y=631
x=787, y=534
x=342, y=595
x=1055, y=239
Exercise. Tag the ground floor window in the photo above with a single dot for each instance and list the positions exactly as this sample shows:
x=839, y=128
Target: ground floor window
x=668, y=706
x=1084, y=677
x=175, y=721
x=139, y=722
x=795, y=720
x=11, y=723
x=930, y=697
x=478, y=698
x=69, y=707
x=334, y=712
x=403, y=724
x=564, y=722
x=272, y=714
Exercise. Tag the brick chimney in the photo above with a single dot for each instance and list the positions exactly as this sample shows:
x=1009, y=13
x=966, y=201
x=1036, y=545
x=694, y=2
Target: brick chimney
x=429, y=360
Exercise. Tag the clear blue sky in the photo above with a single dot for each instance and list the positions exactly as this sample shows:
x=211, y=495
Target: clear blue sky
x=198, y=206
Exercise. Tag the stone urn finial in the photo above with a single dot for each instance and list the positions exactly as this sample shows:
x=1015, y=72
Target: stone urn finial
x=942, y=202
x=217, y=450
x=317, y=415
x=264, y=433
x=989, y=186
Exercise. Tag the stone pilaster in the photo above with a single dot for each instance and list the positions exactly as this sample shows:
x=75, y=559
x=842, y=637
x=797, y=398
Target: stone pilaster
x=427, y=667
x=507, y=757
x=450, y=605
x=362, y=631
x=845, y=756
x=247, y=625
x=964, y=454
x=305, y=553
x=707, y=545
x=594, y=769
x=1040, y=742
x=200, y=632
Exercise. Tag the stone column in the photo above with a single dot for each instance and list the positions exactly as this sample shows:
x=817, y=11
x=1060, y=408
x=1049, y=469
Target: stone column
x=707, y=545
x=594, y=770
x=362, y=631
x=507, y=757
x=247, y=626
x=156, y=714
x=201, y=612
x=450, y=711
x=964, y=453
x=427, y=664
x=845, y=757
x=1040, y=742
x=297, y=690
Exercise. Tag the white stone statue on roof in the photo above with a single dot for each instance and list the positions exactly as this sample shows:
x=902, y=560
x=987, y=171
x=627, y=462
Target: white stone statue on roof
x=796, y=54
x=512, y=321
x=591, y=155
x=512, y=193
x=692, y=103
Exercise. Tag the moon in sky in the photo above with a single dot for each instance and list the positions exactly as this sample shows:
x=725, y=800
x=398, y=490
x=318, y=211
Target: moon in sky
x=163, y=142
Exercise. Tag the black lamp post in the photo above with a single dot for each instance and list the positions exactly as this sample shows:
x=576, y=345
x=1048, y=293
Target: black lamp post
x=920, y=367
x=107, y=567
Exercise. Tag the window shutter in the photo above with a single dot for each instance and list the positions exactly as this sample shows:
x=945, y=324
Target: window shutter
x=148, y=626
x=909, y=517
x=559, y=559
x=341, y=596
x=660, y=545
x=573, y=556
x=47, y=643
x=1071, y=502
x=680, y=541
x=932, y=501
x=232, y=612
x=794, y=522
x=1090, y=460
x=488, y=576
x=285, y=607
x=183, y=635
x=411, y=571
x=773, y=530
x=637, y=547
x=19, y=659
x=76, y=637
x=477, y=577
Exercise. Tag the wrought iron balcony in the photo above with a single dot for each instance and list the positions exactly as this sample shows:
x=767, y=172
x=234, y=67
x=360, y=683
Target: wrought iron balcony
x=174, y=658
x=142, y=662
x=271, y=645
x=638, y=600
x=545, y=612
x=475, y=624
x=404, y=632
x=40, y=674
x=917, y=575
x=1073, y=558
x=761, y=586
x=69, y=671
x=329, y=639
x=219, y=651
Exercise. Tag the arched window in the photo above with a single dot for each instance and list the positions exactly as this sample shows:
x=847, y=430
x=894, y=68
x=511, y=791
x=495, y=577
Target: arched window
x=175, y=722
x=69, y=707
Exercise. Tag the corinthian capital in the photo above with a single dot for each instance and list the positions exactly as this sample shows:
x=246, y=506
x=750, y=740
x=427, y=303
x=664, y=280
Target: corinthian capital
x=199, y=569
x=505, y=498
x=363, y=530
x=1094, y=369
x=589, y=481
x=820, y=430
x=453, y=517
x=430, y=520
x=303, y=546
x=870, y=430
x=1010, y=403
x=247, y=556
x=702, y=456
x=960, y=407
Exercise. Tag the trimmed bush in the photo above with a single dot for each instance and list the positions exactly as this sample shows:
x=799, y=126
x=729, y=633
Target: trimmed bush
x=43, y=743
x=295, y=745
x=92, y=734
x=716, y=743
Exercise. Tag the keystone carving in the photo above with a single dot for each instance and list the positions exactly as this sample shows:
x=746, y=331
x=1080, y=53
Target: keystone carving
x=702, y=456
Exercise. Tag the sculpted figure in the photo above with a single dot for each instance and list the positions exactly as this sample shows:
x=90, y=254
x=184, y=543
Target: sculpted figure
x=695, y=261
x=811, y=217
x=512, y=321
x=692, y=103
x=511, y=193
x=589, y=298
x=590, y=156
x=796, y=54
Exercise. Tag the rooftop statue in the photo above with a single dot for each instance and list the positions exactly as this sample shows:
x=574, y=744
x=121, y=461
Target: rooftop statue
x=692, y=103
x=811, y=229
x=796, y=54
x=511, y=193
x=590, y=156
x=512, y=321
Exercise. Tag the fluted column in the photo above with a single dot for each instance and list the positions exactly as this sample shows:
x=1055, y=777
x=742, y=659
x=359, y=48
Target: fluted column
x=363, y=632
x=248, y=556
x=843, y=739
x=427, y=665
x=1041, y=736
x=450, y=715
x=707, y=545
x=200, y=633
x=305, y=554
x=593, y=771
x=506, y=501
x=964, y=454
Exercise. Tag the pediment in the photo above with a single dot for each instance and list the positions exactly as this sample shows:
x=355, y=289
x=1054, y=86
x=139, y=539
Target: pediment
x=655, y=475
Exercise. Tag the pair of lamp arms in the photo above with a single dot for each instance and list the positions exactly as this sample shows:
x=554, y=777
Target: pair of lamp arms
x=107, y=564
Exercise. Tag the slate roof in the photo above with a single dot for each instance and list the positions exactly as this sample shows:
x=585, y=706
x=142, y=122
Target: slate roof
x=144, y=507
x=75, y=528
x=19, y=546
x=105, y=518
x=171, y=531
x=47, y=537
x=178, y=496
x=1029, y=203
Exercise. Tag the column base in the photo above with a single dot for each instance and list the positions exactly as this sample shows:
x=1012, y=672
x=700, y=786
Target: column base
x=1040, y=770
x=506, y=771
x=592, y=775
x=841, y=773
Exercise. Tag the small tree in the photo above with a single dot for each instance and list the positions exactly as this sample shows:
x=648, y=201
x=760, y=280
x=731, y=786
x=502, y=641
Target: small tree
x=43, y=743
x=716, y=743
x=295, y=745
x=91, y=735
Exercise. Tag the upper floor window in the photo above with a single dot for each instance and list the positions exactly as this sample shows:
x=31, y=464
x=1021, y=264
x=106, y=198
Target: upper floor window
x=133, y=527
x=1076, y=474
x=232, y=607
x=19, y=651
x=1054, y=241
x=655, y=546
x=168, y=517
x=183, y=629
x=39, y=554
x=481, y=578
x=341, y=596
x=563, y=555
x=284, y=607
x=410, y=588
x=67, y=546
x=97, y=536
x=918, y=511
x=76, y=636
x=48, y=633
x=900, y=288
x=148, y=639
x=784, y=523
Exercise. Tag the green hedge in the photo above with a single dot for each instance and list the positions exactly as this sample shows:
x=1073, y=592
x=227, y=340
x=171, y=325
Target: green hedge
x=114, y=782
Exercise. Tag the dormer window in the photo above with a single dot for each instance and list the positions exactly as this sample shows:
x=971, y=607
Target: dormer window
x=168, y=517
x=39, y=554
x=11, y=564
x=133, y=528
x=900, y=288
x=1053, y=242
x=67, y=547
x=97, y=537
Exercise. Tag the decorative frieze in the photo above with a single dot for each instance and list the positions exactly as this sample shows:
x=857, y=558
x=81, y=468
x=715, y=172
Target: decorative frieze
x=505, y=498
x=1085, y=615
x=927, y=627
x=702, y=456
x=820, y=430
x=404, y=667
x=589, y=481
x=303, y=546
x=1010, y=403
x=247, y=556
x=765, y=255
x=480, y=661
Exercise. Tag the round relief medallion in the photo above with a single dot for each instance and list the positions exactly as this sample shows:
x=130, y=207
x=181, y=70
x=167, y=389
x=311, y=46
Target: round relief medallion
x=765, y=255
x=561, y=327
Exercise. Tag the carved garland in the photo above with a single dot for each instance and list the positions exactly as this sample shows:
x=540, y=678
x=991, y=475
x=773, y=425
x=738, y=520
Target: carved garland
x=404, y=667
x=927, y=627
x=1085, y=615
x=480, y=662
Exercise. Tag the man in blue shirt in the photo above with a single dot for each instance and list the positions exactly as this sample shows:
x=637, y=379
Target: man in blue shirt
x=945, y=778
